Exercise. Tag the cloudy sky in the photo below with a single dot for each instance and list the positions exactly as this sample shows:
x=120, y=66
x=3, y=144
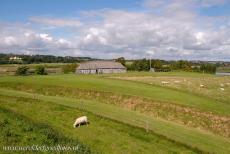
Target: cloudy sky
x=165, y=29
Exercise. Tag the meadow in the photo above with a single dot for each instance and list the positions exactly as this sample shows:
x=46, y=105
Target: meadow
x=129, y=113
x=10, y=69
x=215, y=87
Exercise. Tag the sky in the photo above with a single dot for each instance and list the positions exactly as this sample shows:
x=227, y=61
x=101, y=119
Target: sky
x=161, y=29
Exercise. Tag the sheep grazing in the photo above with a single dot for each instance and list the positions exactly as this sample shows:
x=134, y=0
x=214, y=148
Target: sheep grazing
x=176, y=81
x=80, y=121
x=202, y=86
x=164, y=82
x=222, y=89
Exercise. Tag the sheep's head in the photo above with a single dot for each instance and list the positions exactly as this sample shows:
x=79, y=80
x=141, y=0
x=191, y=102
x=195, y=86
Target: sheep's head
x=74, y=125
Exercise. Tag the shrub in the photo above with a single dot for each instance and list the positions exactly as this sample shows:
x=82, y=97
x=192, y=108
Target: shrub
x=40, y=70
x=181, y=65
x=69, y=68
x=139, y=65
x=22, y=70
x=156, y=64
x=208, y=68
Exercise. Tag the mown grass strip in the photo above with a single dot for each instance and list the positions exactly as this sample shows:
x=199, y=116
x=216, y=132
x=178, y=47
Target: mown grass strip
x=193, y=138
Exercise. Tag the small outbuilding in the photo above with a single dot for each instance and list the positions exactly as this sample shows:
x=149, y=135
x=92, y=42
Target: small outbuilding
x=100, y=67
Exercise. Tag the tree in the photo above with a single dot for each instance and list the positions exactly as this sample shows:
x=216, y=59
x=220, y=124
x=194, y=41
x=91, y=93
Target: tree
x=208, y=68
x=69, y=68
x=22, y=70
x=121, y=60
x=140, y=65
x=40, y=70
x=181, y=65
x=156, y=64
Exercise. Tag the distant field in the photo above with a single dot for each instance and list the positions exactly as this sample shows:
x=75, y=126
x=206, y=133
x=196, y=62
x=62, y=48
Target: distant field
x=215, y=87
x=10, y=69
x=223, y=69
x=129, y=113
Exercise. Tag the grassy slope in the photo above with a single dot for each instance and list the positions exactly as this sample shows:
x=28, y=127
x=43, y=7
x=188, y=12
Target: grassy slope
x=191, y=137
x=190, y=84
x=122, y=87
x=155, y=74
x=18, y=130
x=102, y=135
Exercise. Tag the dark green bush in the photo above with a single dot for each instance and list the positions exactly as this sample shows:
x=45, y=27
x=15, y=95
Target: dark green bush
x=208, y=68
x=181, y=65
x=139, y=65
x=22, y=70
x=40, y=70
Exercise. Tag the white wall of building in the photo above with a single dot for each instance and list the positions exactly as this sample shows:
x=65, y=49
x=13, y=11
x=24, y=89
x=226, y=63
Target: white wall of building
x=100, y=71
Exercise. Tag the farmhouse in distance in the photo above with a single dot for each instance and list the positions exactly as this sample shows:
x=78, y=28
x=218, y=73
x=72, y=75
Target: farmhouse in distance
x=100, y=67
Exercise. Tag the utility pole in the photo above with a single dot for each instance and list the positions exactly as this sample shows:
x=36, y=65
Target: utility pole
x=150, y=63
x=150, y=58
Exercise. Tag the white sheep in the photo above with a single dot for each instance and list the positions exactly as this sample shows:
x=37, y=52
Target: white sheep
x=164, y=82
x=80, y=121
x=222, y=89
x=202, y=86
x=176, y=81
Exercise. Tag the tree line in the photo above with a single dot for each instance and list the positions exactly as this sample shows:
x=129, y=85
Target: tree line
x=134, y=65
x=166, y=66
x=34, y=59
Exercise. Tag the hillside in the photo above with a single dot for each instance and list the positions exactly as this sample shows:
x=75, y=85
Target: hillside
x=128, y=113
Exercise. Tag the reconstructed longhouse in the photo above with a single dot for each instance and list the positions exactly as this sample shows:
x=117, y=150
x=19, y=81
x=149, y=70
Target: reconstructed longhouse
x=100, y=67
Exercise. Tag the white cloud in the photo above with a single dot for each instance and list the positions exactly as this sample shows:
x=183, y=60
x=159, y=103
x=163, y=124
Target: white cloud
x=9, y=40
x=63, y=41
x=46, y=37
x=150, y=52
x=135, y=33
x=56, y=22
x=175, y=31
x=32, y=42
x=156, y=4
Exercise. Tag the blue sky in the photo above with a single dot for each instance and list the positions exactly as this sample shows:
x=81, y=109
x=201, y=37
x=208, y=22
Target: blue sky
x=15, y=10
x=168, y=29
x=20, y=10
x=216, y=10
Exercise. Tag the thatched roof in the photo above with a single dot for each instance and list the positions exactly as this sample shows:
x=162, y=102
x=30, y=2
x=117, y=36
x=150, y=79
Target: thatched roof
x=100, y=65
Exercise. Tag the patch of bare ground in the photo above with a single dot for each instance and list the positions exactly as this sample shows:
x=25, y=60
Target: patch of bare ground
x=188, y=116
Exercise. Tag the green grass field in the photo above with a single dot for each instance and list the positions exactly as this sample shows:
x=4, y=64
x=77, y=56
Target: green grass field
x=190, y=83
x=128, y=113
x=10, y=69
